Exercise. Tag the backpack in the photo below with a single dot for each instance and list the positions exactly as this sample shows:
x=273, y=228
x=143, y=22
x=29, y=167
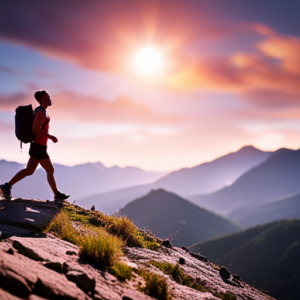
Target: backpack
x=23, y=124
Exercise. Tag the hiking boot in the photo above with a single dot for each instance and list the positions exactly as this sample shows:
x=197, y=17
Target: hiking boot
x=61, y=196
x=6, y=190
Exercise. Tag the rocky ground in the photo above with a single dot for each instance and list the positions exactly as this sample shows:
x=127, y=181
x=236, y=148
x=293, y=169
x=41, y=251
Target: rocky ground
x=36, y=265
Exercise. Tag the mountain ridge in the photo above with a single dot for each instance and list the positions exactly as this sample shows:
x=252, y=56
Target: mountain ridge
x=286, y=208
x=91, y=176
x=110, y=202
x=166, y=214
x=276, y=177
x=264, y=255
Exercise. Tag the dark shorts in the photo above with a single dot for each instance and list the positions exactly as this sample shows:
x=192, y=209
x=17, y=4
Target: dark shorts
x=38, y=151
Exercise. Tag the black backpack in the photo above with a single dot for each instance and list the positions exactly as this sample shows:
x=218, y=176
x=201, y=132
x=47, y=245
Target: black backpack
x=23, y=121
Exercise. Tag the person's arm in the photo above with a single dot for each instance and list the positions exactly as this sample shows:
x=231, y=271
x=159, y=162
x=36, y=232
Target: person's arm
x=37, y=124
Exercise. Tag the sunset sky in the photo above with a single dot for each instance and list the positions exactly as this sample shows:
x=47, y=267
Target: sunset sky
x=154, y=84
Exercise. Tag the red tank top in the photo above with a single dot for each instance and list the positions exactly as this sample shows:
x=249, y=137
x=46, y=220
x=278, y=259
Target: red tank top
x=42, y=140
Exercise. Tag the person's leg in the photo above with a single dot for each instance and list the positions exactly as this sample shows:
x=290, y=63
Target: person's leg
x=29, y=170
x=48, y=166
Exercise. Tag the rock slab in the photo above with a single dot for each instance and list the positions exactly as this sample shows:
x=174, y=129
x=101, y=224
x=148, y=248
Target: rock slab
x=29, y=212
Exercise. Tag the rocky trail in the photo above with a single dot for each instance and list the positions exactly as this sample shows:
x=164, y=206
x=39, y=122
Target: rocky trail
x=36, y=265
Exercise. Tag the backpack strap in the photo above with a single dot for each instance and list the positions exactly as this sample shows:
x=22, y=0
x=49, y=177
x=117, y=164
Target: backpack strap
x=39, y=108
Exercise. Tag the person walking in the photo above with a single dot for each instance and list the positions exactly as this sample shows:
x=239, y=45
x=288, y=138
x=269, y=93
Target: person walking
x=38, y=150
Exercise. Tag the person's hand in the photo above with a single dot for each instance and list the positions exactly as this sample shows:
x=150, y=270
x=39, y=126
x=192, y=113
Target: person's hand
x=53, y=138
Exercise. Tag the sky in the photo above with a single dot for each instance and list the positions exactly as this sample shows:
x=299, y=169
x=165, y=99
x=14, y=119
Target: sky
x=158, y=85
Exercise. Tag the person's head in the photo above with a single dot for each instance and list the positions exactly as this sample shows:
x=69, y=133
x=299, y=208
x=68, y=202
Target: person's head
x=43, y=98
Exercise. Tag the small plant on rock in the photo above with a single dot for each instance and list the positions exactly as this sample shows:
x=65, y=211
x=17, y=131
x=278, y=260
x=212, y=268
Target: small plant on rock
x=226, y=296
x=121, y=271
x=117, y=225
x=95, y=244
x=156, y=286
x=62, y=227
x=178, y=275
x=100, y=248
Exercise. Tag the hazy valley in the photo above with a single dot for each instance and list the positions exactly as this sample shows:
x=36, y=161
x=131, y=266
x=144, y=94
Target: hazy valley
x=204, y=178
x=79, y=181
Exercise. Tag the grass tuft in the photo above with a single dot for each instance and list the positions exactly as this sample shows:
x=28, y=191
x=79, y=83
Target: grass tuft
x=100, y=248
x=151, y=245
x=117, y=225
x=62, y=228
x=226, y=296
x=100, y=239
x=120, y=226
x=95, y=244
x=178, y=275
x=121, y=271
x=156, y=286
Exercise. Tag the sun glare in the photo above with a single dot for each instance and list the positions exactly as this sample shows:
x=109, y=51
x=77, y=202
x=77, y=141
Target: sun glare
x=149, y=60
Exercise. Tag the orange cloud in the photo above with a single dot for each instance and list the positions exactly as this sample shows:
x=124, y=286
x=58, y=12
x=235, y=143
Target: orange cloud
x=262, y=29
x=245, y=73
x=273, y=100
x=285, y=49
x=105, y=35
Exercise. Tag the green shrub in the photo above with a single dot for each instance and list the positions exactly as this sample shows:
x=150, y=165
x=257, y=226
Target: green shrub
x=178, y=275
x=151, y=245
x=121, y=271
x=120, y=226
x=62, y=228
x=226, y=296
x=76, y=214
x=98, y=245
x=117, y=225
x=156, y=286
x=167, y=268
x=95, y=244
x=100, y=248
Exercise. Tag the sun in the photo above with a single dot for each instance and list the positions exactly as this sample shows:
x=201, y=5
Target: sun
x=149, y=60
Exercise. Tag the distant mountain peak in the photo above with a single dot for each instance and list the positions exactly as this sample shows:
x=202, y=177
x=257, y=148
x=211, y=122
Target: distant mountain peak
x=159, y=191
x=285, y=150
x=163, y=193
x=99, y=164
x=249, y=148
x=167, y=213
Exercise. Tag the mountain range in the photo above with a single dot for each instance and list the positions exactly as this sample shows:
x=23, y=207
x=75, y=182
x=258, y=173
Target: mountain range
x=249, y=200
x=214, y=175
x=265, y=256
x=169, y=216
x=275, y=178
x=79, y=181
x=203, y=178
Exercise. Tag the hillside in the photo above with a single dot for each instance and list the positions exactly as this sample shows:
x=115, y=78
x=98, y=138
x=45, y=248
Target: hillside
x=84, y=254
x=266, y=255
x=287, y=208
x=275, y=178
x=167, y=214
x=203, y=178
x=94, y=177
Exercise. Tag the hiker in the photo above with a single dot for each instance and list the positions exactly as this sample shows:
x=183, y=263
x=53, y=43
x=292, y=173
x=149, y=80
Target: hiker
x=38, y=150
